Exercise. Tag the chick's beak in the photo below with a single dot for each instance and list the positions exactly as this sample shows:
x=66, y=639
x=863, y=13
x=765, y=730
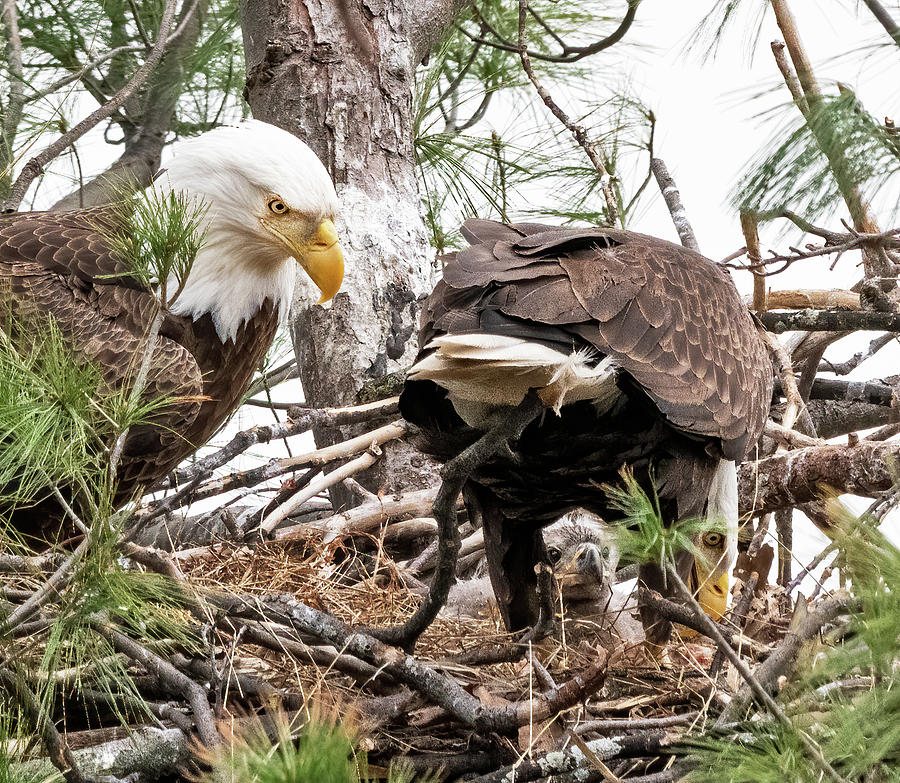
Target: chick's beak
x=323, y=260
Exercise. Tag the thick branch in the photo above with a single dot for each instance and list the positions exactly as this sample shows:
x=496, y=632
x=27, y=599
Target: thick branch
x=799, y=476
x=431, y=20
x=829, y=321
x=832, y=418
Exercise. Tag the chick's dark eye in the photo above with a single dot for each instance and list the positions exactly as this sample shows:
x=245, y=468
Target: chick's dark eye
x=553, y=553
x=606, y=551
x=277, y=206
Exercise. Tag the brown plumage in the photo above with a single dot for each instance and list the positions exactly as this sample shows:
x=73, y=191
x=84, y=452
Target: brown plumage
x=267, y=202
x=61, y=265
x=644, y=349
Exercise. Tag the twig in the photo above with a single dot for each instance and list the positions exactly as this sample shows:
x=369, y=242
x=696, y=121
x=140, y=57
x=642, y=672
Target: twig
x=140, y=381
x=790, y=78
x=631, y=724
x=848, y=366
x=808, y=569
x=139, y=24
x=301, y=420
x=46, y=591
x=313, y=459
x=35, y=165
x=683, y=615
x=672, y=198
x=784, y=530
x=875, y=239
x=805, y=625
x=751, y=238
x=325, y=481
x=795, y=404
x=283, y=372
x=454, y=475
x=570, y=54
x=885, y=19
x=577, y=131
x=168, y=676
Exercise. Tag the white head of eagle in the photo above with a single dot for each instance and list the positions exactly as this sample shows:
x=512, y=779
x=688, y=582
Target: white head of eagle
x=268, y=199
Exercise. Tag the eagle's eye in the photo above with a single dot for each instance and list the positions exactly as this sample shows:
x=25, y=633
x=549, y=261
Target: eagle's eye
x=277, y=206
x=606, y=551
x=553, y=554
x=712, y=539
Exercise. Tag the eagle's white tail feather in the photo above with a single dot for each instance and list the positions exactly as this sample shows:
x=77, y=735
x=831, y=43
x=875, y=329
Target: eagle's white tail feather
x=496, y=370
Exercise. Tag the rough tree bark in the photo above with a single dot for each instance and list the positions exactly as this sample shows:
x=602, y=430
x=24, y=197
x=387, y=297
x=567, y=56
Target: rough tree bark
x=342, y=80
x=793, y=477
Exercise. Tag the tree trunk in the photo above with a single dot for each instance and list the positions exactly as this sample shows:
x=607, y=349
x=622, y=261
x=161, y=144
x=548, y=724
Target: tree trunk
x=343, y=82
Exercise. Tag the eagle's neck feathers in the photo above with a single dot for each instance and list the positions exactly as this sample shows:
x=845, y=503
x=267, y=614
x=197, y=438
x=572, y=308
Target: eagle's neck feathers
x=233, y=274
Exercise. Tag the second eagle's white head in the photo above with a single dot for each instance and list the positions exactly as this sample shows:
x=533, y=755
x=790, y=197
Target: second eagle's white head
x=268, y=200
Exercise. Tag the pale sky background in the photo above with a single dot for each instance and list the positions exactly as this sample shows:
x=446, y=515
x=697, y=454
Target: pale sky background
x=708, y=128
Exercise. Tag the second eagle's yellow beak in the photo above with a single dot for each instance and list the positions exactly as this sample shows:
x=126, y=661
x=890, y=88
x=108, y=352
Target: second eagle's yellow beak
x=323, y=260
x=712, y=597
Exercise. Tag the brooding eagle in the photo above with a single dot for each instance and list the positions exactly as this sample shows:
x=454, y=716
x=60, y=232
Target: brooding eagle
x=642, y=355
x=268, y=202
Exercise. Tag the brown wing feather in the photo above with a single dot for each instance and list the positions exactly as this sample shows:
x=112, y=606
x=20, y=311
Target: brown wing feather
x=670, y=317
x=54, y=266
x=61, y=265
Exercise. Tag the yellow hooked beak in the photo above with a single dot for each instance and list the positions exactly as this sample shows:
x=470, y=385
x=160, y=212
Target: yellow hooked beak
x=712, y=597
x=323, y=260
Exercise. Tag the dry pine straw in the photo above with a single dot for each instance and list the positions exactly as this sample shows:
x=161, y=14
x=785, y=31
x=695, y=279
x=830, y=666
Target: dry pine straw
x=634, y=688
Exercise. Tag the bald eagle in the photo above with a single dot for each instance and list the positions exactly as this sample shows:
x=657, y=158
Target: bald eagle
x=641, y=353
x=268, y=202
